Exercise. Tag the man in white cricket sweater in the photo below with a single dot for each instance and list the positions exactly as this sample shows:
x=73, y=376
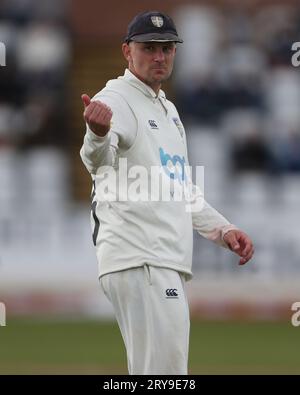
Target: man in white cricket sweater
x=144, y=241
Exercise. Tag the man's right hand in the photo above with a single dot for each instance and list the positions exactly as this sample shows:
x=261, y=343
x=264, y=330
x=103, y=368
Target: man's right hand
x=97, y=115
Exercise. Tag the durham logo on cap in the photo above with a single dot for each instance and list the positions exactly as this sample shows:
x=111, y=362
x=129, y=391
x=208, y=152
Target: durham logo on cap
x=157, y=21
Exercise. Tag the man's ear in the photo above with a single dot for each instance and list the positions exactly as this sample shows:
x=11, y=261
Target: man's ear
x=126, y=51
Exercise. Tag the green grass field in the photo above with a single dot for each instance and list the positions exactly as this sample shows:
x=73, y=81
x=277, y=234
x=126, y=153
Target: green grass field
x=92, y=347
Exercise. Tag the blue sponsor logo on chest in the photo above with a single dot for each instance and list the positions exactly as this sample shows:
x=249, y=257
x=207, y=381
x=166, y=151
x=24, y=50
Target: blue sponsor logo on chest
x=173, y=166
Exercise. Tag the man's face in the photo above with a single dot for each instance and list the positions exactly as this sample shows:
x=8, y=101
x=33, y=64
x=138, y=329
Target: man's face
x=152, y=62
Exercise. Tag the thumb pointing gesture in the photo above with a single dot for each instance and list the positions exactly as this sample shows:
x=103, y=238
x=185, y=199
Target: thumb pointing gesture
x=86, y=100
x=97, y=115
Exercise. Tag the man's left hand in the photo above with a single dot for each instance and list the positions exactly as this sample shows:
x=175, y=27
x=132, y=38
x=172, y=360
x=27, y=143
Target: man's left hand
x=240, y=243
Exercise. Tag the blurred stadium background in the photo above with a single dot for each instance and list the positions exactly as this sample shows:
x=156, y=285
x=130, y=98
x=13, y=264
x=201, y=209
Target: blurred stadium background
x=239, y=97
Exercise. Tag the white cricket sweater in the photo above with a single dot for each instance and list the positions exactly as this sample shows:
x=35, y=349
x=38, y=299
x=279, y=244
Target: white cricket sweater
x=146, y=131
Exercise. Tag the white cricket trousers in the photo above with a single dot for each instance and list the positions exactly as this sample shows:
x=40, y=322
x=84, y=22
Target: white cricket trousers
x=152, y=311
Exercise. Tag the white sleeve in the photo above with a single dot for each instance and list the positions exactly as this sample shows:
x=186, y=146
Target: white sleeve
x=212, y=225
x=101, y=151
x=207, y=221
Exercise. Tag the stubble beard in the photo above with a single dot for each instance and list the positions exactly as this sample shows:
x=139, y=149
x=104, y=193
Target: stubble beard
x=162, y=79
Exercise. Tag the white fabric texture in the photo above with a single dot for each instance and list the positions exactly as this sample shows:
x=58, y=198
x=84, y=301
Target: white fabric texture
x=153, y=321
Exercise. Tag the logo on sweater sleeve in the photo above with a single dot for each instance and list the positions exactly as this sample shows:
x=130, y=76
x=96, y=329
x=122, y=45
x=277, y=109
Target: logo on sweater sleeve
x=179, y=125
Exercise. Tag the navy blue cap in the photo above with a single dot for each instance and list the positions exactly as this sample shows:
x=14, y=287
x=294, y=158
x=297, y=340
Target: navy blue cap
x=152, y=26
